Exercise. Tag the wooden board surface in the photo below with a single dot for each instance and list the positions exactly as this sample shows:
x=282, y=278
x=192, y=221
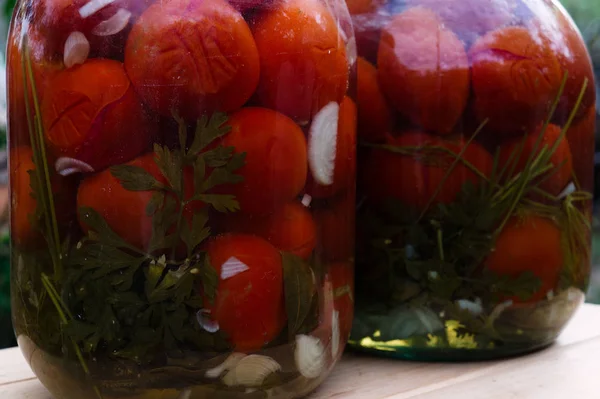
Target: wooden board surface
x=570, y=369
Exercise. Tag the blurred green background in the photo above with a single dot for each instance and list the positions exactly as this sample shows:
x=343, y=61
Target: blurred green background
x=586, y=14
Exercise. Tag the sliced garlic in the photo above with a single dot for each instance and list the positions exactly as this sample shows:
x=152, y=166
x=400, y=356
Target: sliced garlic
x=473, y=307
x=309, y=356
x=114, y=24
x=206, y=323
x=232, y=267
x=335, y=333
x=229, y=363
x=77, y=49
x=322, y=143
x=570, y=189
x=67, y=166
x=251, y=371
x=306, y=200
x=93, y=6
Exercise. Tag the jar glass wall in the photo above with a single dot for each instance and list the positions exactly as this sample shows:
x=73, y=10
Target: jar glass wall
x=476, y=142
x=183, y=189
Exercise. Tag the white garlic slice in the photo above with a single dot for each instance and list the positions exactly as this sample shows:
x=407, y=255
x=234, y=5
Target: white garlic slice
x=322, y=143
x=335, y=333
x=206, y=323
x=93, y=6
x=66, y=166
x=232, y=267
x=77, y=49
x=473, y=307
x=229, y=363
x=306, y=200
x=251, y=371
x=570, y=189
x=114, y=24
x=309, y=356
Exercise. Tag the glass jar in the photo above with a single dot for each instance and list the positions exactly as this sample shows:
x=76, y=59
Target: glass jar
x=179, y=172
x=476, y=132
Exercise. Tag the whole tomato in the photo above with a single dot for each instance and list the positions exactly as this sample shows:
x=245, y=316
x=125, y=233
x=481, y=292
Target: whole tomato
x=289, y=228
x=581, y=141
x=125, y=211
x=515, y=76
x=25, y=225
x=91, y=113
x=344, y=164
x=422, y=176
x=471, y=18
x=276, y=163
x=335, y=227
x=303, y=63
x=529, y=244
x=524, y=148
x=374, y=114
x=423, y=70
x=249, y=305
x=192, y=57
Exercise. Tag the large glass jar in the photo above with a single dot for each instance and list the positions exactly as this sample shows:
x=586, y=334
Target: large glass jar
x=182, y=179
x=476, y=132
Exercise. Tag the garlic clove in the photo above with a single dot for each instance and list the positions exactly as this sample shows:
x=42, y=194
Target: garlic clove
x=570, y=189
x=251, y=371
x=322, y=143
x=66, y=166
x=205, y=322
x=114, y=24
x=229, y=363
x=93, y=6
x=232, y=267
x=309, y=356
x=77, y=49
x=306, y=200
x=335, y=333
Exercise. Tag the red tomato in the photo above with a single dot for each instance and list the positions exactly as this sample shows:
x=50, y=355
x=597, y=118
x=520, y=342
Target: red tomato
x=581, y=141
x=414, y=179
x=561, y=158
x=533, y=244
x=24, y=205
x=124, y=210
x=515, y=76
x=303, y=63
x=276, y=163
x=367, y=31
x=374, y=114
x=363, y=6
x=90, y=112
x=290, y=228
x=423, y=70
x=344, y=168
x=336, y=227
x=249, y=306
x=192, y=56
x=471, y=18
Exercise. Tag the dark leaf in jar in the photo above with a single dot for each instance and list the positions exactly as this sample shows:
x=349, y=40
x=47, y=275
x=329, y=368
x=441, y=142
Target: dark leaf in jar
x=99, y=229
x=155, y=203
x=218, y=157
x=171, y=166
x=522, y=286
x=134, y=178
x=221, y=202
x=193, y=235
x=208, y=130
x=299, y=290
x=406, y=322
x=210, y=279
x=218, y=177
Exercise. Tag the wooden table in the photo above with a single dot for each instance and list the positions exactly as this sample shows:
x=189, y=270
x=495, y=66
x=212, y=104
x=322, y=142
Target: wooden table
x=570, y=369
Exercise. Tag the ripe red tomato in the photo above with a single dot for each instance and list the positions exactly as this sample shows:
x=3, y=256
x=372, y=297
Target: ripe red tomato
x=289, y=228
x=124, y=210
x=276, y=162
x=249, y=306
x=581, y=141
x=561, y=158
x=91, y=113
x=303, y=63
x=192, y=56
x=24, y=205
x=374, y=114
x=344, y=168
x=471, y=18
x=515, y=78
x=533, y=244
x=336, y=227
x=423, y=70
x=414, y=179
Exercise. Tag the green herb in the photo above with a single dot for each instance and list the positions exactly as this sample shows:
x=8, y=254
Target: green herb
x=299, y=290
